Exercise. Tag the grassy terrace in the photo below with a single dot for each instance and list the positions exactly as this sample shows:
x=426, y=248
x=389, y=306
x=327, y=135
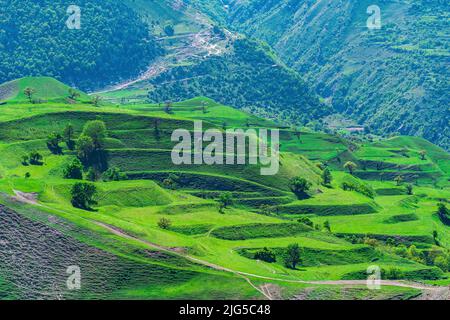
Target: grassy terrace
x=198, y=229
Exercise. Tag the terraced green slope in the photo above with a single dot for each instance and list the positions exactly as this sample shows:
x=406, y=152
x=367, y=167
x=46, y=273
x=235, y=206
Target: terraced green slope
x=367, y=226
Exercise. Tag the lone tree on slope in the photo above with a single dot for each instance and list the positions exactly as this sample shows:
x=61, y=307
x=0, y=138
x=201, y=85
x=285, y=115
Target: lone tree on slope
x=292, y=256
x=350, y=166
x=29, y=92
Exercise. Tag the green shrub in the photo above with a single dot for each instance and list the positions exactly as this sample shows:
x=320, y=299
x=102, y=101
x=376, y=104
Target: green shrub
x=306, y=221
x=171, y=182
x=443, y=213
x=164, y=223
x=83, y=195
x=266, y=255
x=74, y=170
x=35, y=158
x=114, y=174
x=169, y=30
x=327, y=177
x=53, y=141
x=68, y=136
x=91, y=175
x=393, y=274
x=299, y=186
x=443, y=263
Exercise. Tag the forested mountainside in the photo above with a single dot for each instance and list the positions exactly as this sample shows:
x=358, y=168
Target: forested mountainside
x=203, y=59
x=393, y=79
x=246, y=77
x=111, y=44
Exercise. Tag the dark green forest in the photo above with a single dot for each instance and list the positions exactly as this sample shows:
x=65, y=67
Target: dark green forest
x=112, y=44
x=247, y=77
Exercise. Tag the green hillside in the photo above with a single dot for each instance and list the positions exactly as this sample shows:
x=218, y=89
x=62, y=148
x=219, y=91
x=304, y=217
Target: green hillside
x=161, y=231
x=392, y=80
x=243, y=78
x=203, y=59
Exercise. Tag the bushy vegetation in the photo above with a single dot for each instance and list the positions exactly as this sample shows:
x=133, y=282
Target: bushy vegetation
x=300, y=186
x=74, y=170
x=91, y=145
x=444, y=213
x=164, y=223
x=266, y=255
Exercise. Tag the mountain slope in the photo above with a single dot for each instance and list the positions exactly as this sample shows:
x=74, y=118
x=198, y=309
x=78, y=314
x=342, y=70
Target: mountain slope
x=392, y=80
x=111, y=44
x=248, y=77
x=203, y=59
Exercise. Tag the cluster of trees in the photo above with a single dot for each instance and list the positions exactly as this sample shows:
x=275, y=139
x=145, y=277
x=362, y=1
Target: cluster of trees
x=55, y=139
x=436, y=256
x=305, y=220
x=91, y=158
x=36, y=41
x=90, y=146
x=171, y=182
